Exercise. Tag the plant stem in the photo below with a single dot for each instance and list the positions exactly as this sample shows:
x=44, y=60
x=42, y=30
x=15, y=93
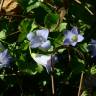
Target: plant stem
x=80, y=85
x=52, y=78
x=52, y=82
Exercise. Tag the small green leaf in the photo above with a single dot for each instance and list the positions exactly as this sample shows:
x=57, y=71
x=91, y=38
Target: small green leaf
x=2, y=76
x=84, y=93
x=39, y=68
x=62, y=27
x=33, y=6
x=3, y=34
x=93, y=70
x=34, y=26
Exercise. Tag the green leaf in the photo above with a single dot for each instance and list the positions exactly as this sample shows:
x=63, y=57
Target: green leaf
x=3, y=34
x=85, y=93
x=34, y=26
x=24, y=28
x=51, y=20
x=62, y=27
x=29, y=67
x=25, y=45
x=77, y=65
x=33, y=6
x=57, y=38
x=39, y=68
x=93, y=70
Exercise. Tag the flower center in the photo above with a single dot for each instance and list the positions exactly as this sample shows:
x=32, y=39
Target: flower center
x=74, y=38
x=41, y=39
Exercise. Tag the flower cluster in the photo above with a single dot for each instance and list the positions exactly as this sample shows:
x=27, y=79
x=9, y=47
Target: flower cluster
x=38, y=39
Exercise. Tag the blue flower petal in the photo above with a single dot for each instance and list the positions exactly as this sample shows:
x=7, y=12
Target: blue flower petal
x=92, y=47
x=74, y=30
x=44, y=60
x=66, y=32
x=93, y=53
x=30, y=36
x=74, y=43
x=48, y=65
x=53, y=60
x=93, y=41
x=44, y=33
x=5, y=59
x=36, y=41
x=80, y=38
x=34, y=45
x=66, y=42
x=70, y=35
x=46, y=45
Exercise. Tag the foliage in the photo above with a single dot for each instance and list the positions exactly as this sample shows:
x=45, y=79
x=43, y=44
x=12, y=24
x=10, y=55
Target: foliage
x=42, y=39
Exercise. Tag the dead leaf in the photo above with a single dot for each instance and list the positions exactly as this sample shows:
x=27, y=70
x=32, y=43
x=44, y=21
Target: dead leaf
x=10, y=6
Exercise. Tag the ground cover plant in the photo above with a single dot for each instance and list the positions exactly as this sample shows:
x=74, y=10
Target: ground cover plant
x=47, y=48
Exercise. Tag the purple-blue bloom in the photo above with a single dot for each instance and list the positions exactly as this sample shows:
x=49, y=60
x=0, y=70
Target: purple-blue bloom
x=72, y=37
x=45, y=60
x=5, y=59
x=92, y=47
x=38, y=39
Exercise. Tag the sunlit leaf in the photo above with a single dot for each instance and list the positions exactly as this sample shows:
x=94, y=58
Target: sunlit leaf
x=93, y=70
x=24, y=28
x=32, y=6
x=3, y=34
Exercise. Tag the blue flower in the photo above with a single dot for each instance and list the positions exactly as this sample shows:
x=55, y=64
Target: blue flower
x=45, y=60
x=92, y=47
x=5, y=59
x=38, y=39
x=72, y=37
